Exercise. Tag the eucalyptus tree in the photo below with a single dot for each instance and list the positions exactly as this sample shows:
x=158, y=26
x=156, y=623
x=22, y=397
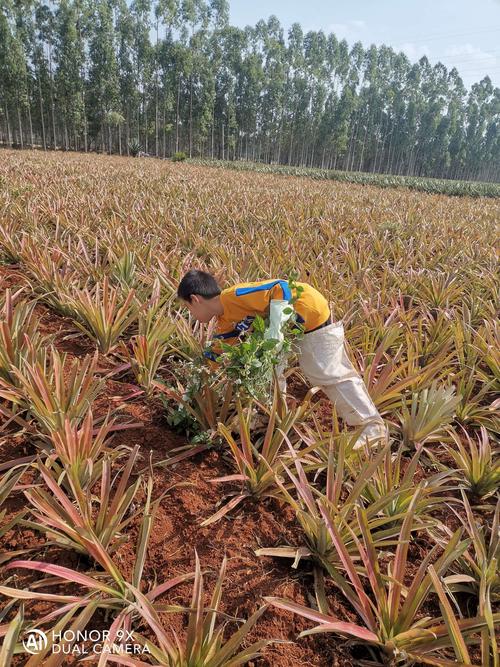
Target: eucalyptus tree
x=354, y=78
x=479, y=107
x=456, y=130
x=249, y=90
x=103, y=84
x=145, y=61
x=213, y=59
x=297, y=83
x=13, y=89
x=233, y=41
x=69, y=58
x=171, y=75
x=25, y=33
x=274, y=93
x=45, y=22
x=167, y=15
x=317, y=74
x=127, y=72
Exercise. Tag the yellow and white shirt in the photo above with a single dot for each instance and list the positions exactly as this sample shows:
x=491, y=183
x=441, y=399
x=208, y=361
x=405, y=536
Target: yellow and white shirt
x=244, y=301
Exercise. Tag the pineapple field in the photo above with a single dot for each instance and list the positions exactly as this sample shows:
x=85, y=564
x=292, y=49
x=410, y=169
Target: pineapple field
x=155, y=511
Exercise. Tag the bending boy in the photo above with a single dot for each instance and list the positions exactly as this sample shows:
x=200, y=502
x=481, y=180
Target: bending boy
x=322, y=356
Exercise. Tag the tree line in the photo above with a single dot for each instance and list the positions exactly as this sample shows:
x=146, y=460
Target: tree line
x=174, y=75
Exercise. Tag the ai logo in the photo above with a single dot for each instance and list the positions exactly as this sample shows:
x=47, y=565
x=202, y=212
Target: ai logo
x=35, y=641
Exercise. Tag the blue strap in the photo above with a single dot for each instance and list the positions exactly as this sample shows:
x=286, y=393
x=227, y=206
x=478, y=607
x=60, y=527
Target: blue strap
x=230, y=334
x=287, y=293
x=245, y=324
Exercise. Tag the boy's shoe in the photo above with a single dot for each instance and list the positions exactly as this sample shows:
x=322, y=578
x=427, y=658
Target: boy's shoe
x=375, y=433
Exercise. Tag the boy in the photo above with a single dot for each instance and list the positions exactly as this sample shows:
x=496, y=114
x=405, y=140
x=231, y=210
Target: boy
x=322, y=356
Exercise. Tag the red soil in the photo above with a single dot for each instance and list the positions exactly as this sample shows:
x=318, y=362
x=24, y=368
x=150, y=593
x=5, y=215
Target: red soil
x=176, y=532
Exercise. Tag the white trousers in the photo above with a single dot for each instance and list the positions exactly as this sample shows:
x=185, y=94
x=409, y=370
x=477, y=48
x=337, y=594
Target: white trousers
x=324, y=361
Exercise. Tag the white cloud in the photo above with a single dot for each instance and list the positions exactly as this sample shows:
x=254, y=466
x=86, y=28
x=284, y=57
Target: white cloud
x=350, y=30
x=469, y=56
x=471, y=61
x=414, y=51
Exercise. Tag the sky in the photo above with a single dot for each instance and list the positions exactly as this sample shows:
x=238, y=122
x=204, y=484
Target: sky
x=459, y=33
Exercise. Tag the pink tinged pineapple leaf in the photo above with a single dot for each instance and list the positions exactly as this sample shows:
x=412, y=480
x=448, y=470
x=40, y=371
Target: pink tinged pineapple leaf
x=343, y=628
x=167, y=585
x=63, y=573
x=326, y=623
x=113, y=632
x=364, y=606
x=224, y=510
x=31, y=595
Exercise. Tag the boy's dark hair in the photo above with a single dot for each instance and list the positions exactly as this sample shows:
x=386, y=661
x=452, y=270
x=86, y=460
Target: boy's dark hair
x=198, y=282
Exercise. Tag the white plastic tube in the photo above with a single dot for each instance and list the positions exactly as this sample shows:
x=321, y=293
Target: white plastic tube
x=277, y=317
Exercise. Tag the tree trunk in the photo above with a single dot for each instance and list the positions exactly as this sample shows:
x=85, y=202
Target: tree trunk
x=21, y=138
x=390, y=159
x=351, y=151
x=30, y=122
x=290, y=147
x=156, y=94
x=41, y=114
x=379, y=149
x=313, y=148
x=280, y=130
x=177, y=115
x=127, y=131
x=9, y=131
x=191, y=116
x=360, y=164
x=301, y=163
x=85, y=145
x=103, y=147
x=213, y=133
x=54, y=137
x=164, y=132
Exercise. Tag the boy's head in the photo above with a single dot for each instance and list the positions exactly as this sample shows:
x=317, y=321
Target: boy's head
x=198, y=289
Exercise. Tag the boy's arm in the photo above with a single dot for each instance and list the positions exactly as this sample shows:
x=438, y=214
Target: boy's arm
x=224, y=332
x=242, y=306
